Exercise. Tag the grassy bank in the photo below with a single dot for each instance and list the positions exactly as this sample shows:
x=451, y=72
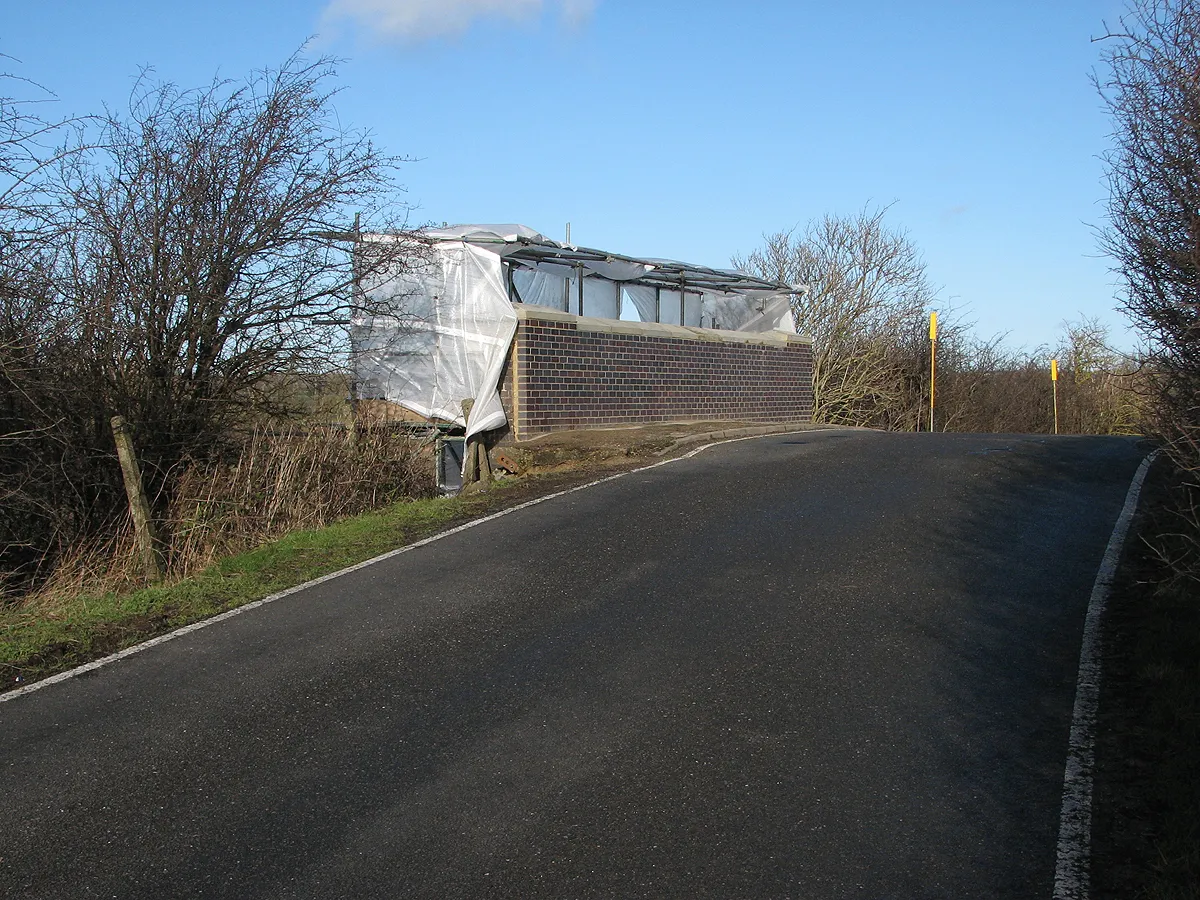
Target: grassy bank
x=43, y=637
x=65, y=627
x=1147, y=817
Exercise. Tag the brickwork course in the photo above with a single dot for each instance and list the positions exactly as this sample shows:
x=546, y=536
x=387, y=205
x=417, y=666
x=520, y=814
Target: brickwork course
x=567, y=372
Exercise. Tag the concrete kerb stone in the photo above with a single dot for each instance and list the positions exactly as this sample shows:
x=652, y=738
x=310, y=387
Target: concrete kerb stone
x=584, y=451
x=751, y=431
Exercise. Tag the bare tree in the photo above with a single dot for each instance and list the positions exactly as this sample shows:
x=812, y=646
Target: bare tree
x=1101, y=389
x=868, y=315
x=199, y=261
x=1151, y=86
x=210, y=246
x=984, y=386
x=31, y=450
x=24, y=152
x=865, y=311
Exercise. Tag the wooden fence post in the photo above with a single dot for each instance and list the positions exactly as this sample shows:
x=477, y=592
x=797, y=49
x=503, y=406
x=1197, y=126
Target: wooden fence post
x=470, y=460
x=477, y=467
x=139, y=508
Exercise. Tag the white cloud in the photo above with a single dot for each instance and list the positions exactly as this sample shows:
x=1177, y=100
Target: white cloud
x=416, y=20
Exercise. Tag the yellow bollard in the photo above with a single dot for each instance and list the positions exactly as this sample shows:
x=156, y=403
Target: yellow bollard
x=1054, y=384
x=932, y=364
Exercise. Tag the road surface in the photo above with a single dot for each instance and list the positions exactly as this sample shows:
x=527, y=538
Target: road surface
x=829, y=664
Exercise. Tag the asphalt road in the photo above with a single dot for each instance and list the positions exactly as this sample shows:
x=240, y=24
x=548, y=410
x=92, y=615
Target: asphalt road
x=832, y=664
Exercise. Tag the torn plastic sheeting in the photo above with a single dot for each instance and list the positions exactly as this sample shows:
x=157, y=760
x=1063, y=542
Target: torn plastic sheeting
x=454, y=323
x=618, y=270
x=643, y=298
x=507, y=234
x=537, y=287
x=471, y=323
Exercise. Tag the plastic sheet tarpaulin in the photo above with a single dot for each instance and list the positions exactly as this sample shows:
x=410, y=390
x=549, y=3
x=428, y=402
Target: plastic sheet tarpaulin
x=540, y=287
x=753, y=311
x=451, y=342
x=557, y=287
x=457, y=323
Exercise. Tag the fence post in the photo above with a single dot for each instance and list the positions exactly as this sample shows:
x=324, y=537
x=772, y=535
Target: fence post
x=477, y=467
x=139, y=508
x=470, y=460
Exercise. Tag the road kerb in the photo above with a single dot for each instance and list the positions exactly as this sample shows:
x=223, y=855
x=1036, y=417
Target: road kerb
x=1072, y=871
x=254, y=604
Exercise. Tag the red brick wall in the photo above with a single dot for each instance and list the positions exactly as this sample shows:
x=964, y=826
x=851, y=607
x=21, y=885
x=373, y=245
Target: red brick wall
x=570, y=372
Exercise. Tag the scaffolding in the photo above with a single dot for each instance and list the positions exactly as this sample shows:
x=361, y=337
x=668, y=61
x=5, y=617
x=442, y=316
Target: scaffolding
x=458, y=320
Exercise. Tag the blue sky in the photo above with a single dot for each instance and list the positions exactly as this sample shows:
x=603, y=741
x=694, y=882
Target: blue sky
x=686, y=130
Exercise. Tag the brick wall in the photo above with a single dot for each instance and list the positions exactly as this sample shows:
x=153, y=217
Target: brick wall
x=567, y=371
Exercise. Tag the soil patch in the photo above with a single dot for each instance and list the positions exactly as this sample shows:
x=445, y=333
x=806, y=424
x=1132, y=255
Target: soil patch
x=583, y=448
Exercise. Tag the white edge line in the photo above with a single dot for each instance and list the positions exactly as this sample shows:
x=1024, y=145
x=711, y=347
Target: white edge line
x=254, y=604
x=1072, y=871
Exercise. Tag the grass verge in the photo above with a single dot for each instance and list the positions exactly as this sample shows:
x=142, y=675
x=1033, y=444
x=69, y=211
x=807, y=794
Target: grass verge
x=37, y=641
x=1147, y=817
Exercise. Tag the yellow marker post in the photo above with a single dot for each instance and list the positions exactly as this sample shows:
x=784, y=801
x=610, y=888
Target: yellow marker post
x=932, y=364
x=1054, y=384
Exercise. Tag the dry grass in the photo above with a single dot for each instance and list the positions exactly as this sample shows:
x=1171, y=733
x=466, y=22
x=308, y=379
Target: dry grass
x=286, y=481
x=107, y=564
x=52, y=633
x=278, y=482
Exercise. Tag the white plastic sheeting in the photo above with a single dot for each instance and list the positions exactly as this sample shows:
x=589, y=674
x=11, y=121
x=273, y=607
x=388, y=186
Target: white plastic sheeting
x=539, y=287
x=452, y=342
x=458, y=323
x=601, y=298
x=643, y=298
x=501, y=235
x=753, y=311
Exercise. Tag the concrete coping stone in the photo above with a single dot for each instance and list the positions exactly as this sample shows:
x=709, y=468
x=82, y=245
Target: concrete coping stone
x=592, y=325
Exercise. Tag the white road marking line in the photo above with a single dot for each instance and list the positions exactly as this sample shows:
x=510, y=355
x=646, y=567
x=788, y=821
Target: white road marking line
x=1072, y=873
x=237, y=611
